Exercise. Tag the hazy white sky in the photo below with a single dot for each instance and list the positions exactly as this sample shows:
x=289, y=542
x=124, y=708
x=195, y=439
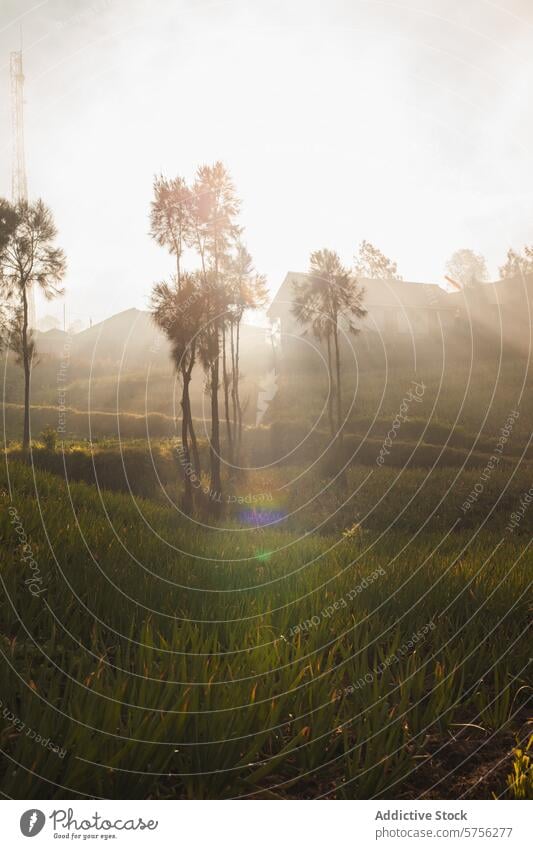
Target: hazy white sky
x=406, y=123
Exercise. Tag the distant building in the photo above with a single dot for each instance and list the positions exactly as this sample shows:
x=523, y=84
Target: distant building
x=502, y=308
x=398, y=308
x=393, y=307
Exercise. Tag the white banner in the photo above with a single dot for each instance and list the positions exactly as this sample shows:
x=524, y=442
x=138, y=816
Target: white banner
x=268, y=824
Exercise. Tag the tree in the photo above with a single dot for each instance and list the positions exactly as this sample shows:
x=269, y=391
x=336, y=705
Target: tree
x=178, y=309
x=214, y=230
x=247, y=291
x=467, y=268
x=28, y=258
x=370, y=262
x=8, y=222
x=170, y=217
x=517, y=264
x=171, y=227
x=328, y=299
x=202, y=218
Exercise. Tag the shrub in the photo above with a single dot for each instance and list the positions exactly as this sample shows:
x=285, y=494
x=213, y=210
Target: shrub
x=49, y=438
x=520, y=781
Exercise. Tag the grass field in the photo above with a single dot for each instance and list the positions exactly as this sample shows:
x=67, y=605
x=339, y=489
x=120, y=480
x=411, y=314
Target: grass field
x=158, y=659
x=352, y=635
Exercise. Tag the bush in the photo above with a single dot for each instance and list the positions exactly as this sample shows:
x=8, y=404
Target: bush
x=49, y=438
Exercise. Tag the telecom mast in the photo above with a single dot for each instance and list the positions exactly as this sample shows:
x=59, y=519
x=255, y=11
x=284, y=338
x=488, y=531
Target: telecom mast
x=19, y=180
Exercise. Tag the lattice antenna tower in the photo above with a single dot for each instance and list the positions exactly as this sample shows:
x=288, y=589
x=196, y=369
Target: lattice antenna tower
x=19, y=179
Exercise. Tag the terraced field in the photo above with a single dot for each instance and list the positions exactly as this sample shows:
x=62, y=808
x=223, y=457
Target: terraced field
x=145, y=655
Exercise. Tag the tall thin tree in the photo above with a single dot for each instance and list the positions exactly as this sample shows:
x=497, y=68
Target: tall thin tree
x=178, y=310
x=329, y=299
x=28, y=258
x=215, y=229
x=171, y=227
x=371, y=262
x=170, y=217
x=248, y=291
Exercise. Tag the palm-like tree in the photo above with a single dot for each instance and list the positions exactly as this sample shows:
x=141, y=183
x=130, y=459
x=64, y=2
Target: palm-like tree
x=214, y=208
x=28, y=258
x=247, y=291
x=202, y=218
x=178, y=308
x=170, y=217
x=328, y=300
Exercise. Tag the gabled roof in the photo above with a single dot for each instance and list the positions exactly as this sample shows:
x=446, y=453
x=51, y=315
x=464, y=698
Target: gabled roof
x=378, y=293
x=507, y=290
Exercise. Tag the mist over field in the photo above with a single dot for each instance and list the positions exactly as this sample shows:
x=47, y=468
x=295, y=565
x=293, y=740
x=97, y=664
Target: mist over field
x=266, y=277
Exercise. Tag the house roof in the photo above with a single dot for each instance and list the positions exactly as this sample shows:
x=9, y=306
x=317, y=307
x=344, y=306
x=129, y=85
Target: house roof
x=378, y=293
x=507, y=290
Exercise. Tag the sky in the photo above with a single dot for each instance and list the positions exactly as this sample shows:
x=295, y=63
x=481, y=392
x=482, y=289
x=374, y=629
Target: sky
x=404, y=123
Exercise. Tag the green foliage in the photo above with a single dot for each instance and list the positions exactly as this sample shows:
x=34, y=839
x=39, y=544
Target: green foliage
x=135, y=468
x=520, y=781
x=49, y=438
x=517, y=264
x=371, y=262
x=467, y=268
x=161, y=690
x=28, y=260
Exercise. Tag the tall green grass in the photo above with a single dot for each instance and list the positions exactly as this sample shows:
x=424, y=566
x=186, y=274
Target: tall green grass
x=169, y=660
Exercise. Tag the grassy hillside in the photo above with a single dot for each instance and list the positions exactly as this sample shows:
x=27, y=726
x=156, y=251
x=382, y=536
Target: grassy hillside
x=375, y=497
x=164, y=660
x=351, y=634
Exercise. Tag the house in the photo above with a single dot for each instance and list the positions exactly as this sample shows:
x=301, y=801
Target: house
x=393, y=307
x=503, y=308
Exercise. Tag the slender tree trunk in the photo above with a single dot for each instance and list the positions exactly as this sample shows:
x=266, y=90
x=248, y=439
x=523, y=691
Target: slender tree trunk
x=226, y=395
x=331, y=394
x=338, y=373
x=214, y=442
x=234, y=392
x=194, y=444
x=192, y=434
x=216, y=482
x=27, y=371
x=237, y=393
x=201, y=251
x=186, y=407
x=185, y=415
x=339, y=390
x=214, y=448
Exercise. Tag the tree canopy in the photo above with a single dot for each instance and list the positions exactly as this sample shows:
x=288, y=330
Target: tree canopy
x=371, y=262
x=518, y=263
x=467, y=267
